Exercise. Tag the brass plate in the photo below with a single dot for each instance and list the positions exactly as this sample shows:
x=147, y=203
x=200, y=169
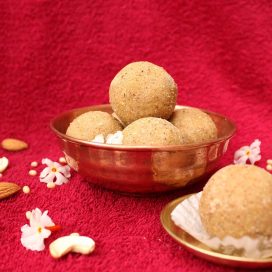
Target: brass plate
x=199, y=249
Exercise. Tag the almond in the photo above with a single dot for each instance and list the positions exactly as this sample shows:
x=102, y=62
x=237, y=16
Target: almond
x=14, y=144
x=8, y=188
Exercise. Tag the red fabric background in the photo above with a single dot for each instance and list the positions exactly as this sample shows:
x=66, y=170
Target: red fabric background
x=57, y=55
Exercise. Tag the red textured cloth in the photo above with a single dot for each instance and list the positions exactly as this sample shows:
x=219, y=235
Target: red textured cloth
x=58, y=55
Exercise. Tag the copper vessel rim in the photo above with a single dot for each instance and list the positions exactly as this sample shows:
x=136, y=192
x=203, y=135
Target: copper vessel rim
x=142, y=148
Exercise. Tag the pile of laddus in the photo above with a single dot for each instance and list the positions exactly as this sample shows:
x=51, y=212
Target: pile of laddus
x=143, y=98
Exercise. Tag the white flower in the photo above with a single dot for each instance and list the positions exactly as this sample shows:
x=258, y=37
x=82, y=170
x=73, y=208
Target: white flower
x=54, y=172
x=33, y=235
x=116, y=138
x=251, y=153
x=98, y=139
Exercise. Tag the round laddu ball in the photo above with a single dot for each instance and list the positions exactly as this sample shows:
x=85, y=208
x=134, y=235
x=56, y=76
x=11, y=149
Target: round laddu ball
x=237, y=202
x=142, y=89
x=92, y=123
x=195, y=126
x=151, y=131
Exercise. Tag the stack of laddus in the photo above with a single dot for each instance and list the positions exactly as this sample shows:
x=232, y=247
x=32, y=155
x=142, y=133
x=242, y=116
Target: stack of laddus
x=143, y=98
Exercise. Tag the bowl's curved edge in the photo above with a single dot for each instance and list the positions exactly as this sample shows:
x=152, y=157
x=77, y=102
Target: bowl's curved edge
x=138, y=148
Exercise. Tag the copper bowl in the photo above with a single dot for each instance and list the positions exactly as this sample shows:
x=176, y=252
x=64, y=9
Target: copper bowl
x=141, y=169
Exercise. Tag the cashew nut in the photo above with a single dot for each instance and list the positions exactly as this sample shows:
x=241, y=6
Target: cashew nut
x=71, y=243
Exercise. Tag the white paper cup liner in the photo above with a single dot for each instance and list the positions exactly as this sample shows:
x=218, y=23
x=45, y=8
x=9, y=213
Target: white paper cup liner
x=186, y=216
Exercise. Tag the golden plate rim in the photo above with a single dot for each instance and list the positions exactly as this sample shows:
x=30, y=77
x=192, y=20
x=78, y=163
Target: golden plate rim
x=207, y=254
